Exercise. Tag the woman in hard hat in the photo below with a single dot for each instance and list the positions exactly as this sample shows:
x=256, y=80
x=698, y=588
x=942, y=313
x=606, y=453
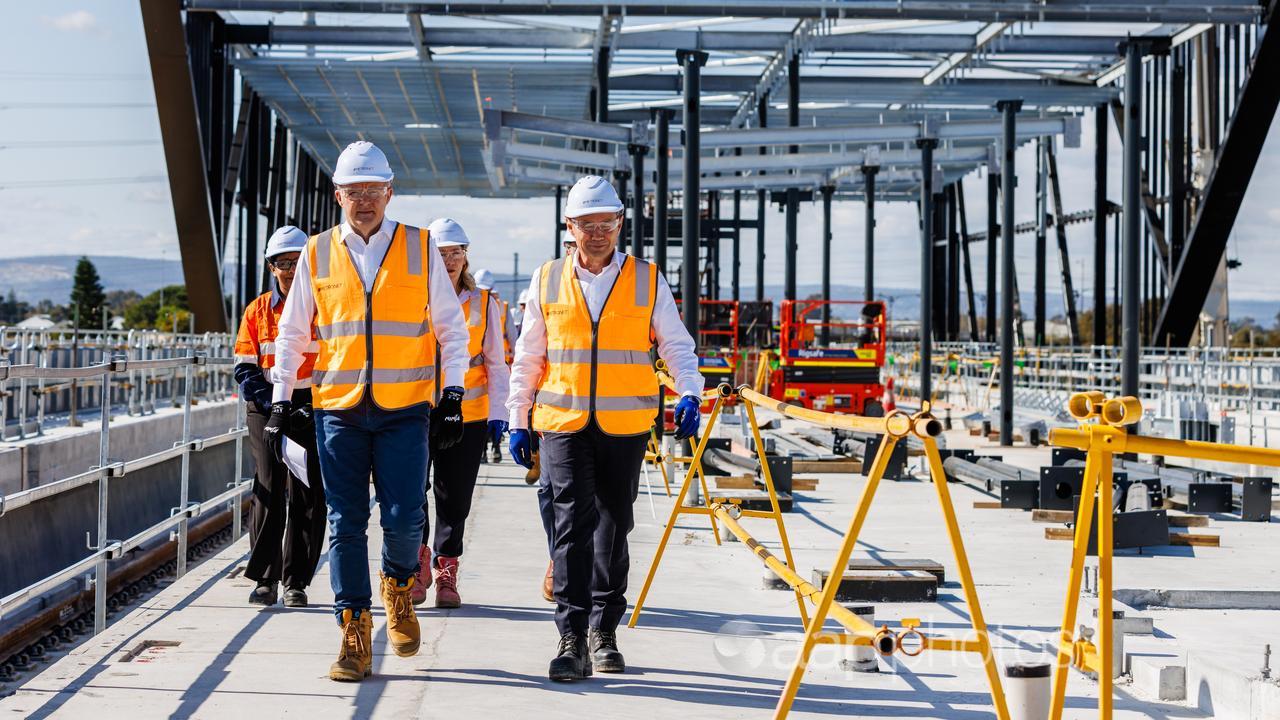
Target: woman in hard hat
x=483, y=414
x=484, y=281
x=285, y=506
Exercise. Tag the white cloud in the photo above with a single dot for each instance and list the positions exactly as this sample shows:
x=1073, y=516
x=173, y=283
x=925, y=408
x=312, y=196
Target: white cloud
x=74, y=21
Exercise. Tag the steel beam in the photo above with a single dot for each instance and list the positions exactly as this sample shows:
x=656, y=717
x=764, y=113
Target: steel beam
x=1008, y=181
x=869, y=192
x=1131, y=11
x=926, y=146
x=637, y=199
x=993, y=225
x=1131, y=287
x=1068, y=127
x=793, y=197
x=968, y=265
x=1064, y=257
x=691, y=61
x=822, y=160
x=737, y=244
x=708, y=40
x=1237, y=158
x=185, y=161
x=762, y=121
x=1100, y=225
x=827, y=192
x=497, y=120
x=1042, y=222
x=661, y=199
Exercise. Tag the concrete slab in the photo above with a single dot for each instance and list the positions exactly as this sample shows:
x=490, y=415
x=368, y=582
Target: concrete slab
x=711, y=642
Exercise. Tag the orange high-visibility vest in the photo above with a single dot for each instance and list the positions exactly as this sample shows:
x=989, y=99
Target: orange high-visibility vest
x=256, y=341
x=475, y=392
x=381, y=339
x=599, y=369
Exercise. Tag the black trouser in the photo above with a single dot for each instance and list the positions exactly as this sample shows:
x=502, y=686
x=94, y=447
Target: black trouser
x=288, y=519
x=594, y=481
x=454, y=472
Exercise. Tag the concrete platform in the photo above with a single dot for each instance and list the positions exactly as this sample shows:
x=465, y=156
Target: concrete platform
x=712, y=642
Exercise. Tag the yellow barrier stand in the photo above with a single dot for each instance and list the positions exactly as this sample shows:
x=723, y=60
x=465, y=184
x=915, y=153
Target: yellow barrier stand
x=1101, y=441
x=894, y=427
x=724, y=394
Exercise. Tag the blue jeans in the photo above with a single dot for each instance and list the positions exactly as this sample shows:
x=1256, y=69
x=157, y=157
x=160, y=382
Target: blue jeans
x=392, y=444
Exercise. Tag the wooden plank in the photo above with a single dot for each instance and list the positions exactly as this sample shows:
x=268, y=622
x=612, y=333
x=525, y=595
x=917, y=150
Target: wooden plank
x=1188, y=521
x=1053, y=533
x=804, y=484
x=736, y=482
x=986, y=505
x=1193, y=539
x=1052, y=516
x=826, y=466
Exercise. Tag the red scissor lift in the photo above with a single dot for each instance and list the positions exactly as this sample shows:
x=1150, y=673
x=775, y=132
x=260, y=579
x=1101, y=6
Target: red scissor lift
x=839, y=375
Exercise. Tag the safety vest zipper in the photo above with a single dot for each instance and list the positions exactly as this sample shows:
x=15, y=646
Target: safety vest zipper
x=368, y=342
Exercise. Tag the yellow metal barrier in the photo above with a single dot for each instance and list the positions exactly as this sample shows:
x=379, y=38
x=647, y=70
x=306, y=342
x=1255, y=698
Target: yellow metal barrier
x=894, y=427
x=1102, y=440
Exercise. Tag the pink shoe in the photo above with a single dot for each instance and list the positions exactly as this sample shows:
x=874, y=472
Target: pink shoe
x=446, y=571
x=422, y=580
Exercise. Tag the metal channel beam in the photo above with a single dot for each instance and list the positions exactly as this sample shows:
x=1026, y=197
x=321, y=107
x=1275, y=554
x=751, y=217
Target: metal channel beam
x=711, y=41
x=497, y=120
x=1069, y=127
x=1137, y=11
x=184, y=158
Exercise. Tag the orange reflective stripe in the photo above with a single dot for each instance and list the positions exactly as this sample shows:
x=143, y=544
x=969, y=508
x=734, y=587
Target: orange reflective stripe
x=475, y=395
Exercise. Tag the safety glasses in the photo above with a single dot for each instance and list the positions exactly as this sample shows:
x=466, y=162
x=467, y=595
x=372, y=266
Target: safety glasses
x=598, y=228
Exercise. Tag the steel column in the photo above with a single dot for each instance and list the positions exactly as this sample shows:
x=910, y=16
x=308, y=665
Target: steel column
x=637, y=200
x=869, y=272
x=793, y=194
x=953, y=265
x=692, y=62
x=993, y=227
x=559, y=217
x=737, y=243
x=926, y=146
x=661, y=201
x=1131, y=286
x=762, y=120
x=1100, y=225
x=827, y=192
x=1008, y=178
x=1042, y=227
x=968, y=265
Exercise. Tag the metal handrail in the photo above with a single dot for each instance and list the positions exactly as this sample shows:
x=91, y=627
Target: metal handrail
x=105, y=470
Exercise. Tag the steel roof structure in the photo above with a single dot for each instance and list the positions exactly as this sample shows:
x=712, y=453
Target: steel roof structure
x=866, y=99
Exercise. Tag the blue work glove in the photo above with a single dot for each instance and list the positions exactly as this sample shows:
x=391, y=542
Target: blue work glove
x=277, y=427
x=496, y=428
x=687, y=416
x=446, y=419
x=522, y=445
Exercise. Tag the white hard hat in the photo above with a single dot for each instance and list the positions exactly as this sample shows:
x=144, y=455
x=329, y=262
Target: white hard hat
x=592, y=194
x=286, y=239
x=568, y=238
x=484, y=279
x=448, y=233
x=524, y=298
x=362, y=162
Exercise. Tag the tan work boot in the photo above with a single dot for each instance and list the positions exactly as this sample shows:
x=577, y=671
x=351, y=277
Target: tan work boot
x=533, y=473
x=355, y=658
x=403, y=634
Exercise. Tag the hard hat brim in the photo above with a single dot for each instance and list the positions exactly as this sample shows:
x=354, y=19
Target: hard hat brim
x=451, y=243
x=579, y=212
x=353, y=179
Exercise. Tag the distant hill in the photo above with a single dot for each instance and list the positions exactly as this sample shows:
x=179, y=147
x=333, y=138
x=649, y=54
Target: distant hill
x=49, y=277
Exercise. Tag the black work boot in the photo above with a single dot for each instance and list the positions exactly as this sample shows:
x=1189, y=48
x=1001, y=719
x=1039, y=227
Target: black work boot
x=295, y=597
x=571, y=661
x=604, y=651
x=263, y=594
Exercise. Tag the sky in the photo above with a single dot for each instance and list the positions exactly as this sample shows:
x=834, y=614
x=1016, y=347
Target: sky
x=82, y=171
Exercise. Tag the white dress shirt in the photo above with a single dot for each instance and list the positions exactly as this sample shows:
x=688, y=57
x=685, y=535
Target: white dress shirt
x=675, y=345
x=300, y=309
x=495, y=356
